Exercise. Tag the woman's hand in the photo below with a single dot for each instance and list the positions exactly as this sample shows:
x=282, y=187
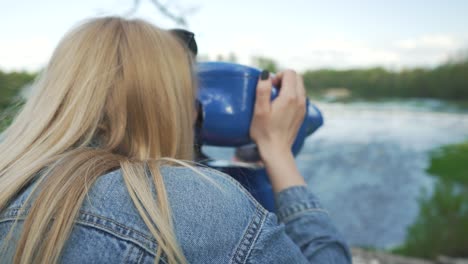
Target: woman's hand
x=275, y=125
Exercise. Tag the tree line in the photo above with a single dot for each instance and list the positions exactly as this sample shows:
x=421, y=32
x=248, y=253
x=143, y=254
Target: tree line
x=447, y=81
x=11, y=84
x=10, y=88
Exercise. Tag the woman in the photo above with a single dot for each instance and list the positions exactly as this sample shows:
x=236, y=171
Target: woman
x=95, y=167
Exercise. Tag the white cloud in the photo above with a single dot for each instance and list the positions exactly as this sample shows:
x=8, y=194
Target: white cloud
x=429, y=49
x=444, y=42
x=341, y=53
x=336, y=53
x=243, y=46
x=424, y=51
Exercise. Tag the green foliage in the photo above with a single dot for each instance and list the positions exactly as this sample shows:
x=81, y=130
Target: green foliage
x=451, y=163
x=442, y=224
x=265, y=63
x=231, y=57
x=4, y=123
x=7, y=115
x=448, y=81
x=10, y=86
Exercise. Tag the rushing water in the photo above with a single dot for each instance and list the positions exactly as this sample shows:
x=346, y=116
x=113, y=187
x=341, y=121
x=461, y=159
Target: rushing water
x=367, y=164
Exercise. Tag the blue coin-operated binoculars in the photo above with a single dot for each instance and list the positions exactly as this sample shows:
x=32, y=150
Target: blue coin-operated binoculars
x=227, y=98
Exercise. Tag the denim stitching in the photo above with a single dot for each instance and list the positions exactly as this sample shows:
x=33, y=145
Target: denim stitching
x=11, y=212
x=117, y=235
x=140, y=258
x=126, y=232
x=250, y=236
x=292, y=216
x=128, y=255
x=92, y=220
x=287, y=212
x=120, y=225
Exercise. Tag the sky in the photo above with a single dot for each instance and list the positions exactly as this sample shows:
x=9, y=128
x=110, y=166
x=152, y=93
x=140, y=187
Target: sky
x=298, y=34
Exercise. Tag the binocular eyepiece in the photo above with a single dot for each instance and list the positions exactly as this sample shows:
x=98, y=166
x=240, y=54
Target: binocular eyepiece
x=226, y=100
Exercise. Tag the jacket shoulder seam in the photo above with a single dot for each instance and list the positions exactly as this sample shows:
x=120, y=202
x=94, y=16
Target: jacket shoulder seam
x=101, y=223
x=119, y=230
x=250, y=236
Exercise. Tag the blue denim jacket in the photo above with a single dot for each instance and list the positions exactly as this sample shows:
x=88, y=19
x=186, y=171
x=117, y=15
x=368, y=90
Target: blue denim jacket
x=212, y=225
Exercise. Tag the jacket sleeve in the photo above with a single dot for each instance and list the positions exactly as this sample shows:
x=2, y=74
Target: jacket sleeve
x=304, y=233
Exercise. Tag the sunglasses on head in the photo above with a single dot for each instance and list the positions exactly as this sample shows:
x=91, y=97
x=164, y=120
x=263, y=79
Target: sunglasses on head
x=188, y=38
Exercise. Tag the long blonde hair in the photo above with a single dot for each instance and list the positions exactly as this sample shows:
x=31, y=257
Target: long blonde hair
x=116, y=93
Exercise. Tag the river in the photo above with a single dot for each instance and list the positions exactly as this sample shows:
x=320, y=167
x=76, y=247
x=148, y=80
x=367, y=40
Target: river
x=367, y=164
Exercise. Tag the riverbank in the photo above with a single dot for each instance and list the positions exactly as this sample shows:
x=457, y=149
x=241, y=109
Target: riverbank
x=442, y=225
x=414, y=104
x=362, y=256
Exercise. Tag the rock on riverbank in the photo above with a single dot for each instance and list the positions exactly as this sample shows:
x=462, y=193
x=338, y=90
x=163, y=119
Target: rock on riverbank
x=361, y=256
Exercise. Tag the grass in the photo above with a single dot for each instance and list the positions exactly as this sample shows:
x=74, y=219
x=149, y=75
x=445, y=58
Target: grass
x=451, y=163
x=4, y=122
x=7, y=115
x=442, y=224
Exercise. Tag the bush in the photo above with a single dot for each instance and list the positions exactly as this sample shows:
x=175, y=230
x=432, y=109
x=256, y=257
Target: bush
x=442, y=224
x=10, y=87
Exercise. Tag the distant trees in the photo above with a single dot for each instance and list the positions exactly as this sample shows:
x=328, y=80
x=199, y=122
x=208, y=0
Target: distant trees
x=265, y=63
x=447, y=81
x=257, y=61
x=10, y=86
